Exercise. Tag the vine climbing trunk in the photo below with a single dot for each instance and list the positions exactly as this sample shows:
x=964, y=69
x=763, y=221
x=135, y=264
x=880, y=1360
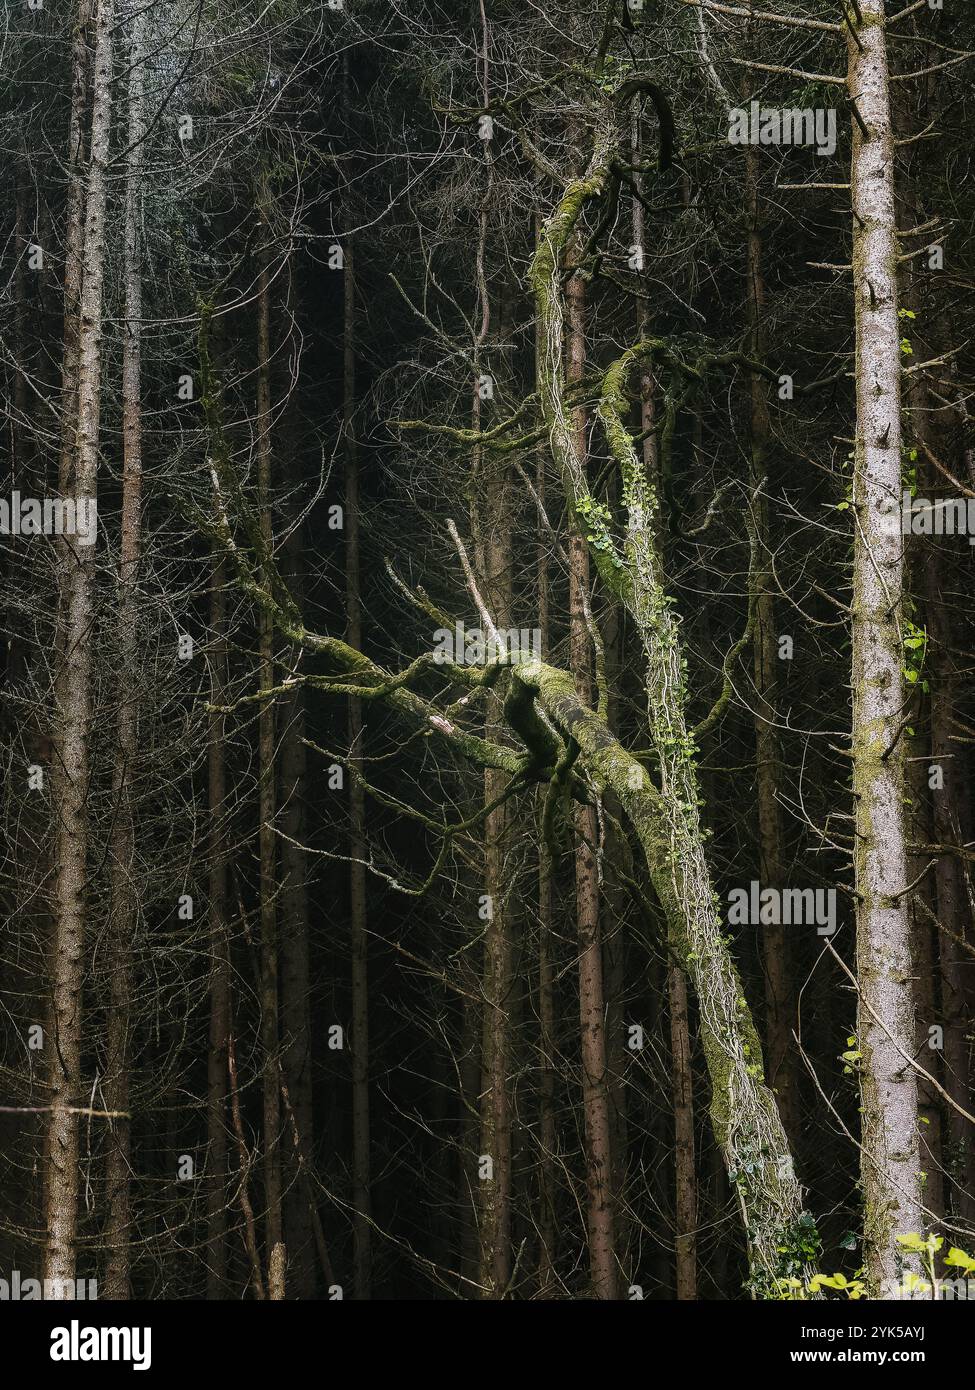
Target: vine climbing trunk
x=667, y=819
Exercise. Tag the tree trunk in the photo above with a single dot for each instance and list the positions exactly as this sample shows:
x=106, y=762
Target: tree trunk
x=889, y=1156
x=595, y=1098
x=218, y=1082
x=493, y=529
x=684, y=1155
x=295, y=970
x=359, y=922
x=667, y=819
x=779, y=993
x=74, y=237
x=74, y=700
x=547, y=1131
x=268, y=799
x=123, y=885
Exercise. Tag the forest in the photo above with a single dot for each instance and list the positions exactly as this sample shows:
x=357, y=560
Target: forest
x=487, y=692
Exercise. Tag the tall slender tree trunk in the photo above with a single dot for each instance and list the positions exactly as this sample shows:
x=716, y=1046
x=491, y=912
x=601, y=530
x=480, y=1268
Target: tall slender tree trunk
x=890, y=1156
x=123, y=882
x=492, y=530
x=74, y=702
x=74, y=235
x=494, y=1160
x=685, y=1164
x=595, y=1097
x=295, y=969
x=489, y=523
x=268, y=802
x=20, y=425
x=468, y=1130
x=359, y=923
x=684, y=1149
x=547, y=1130
x=218, y=1081
x=779, y=992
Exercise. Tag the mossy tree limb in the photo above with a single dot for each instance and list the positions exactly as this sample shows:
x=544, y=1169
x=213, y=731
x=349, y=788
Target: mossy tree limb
x=667, y=820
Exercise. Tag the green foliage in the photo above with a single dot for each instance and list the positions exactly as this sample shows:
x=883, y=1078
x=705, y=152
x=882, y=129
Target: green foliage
x=797, y=1290
x=851, y=1057
x=798, y=1247
x=915, y=645
x=596, y=519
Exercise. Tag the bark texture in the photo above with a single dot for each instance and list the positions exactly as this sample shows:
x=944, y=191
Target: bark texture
x=886, y=1029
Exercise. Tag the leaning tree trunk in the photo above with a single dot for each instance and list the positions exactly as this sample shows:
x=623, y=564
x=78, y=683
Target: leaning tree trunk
x=744, y=1113
x=889, y=1155
x=74, y=703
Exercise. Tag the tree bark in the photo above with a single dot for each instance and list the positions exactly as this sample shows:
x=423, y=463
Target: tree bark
x=684, y=1154
x=295, y=969
x=359, y=921
x=74, y=699
x=268, y=798
x=74, y=236
x=547, y=1130
x=779, y=992
x=218, y=1083
x=889, y=1155
x=124, y=887
x=744, y=1113
x=595, y=1098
